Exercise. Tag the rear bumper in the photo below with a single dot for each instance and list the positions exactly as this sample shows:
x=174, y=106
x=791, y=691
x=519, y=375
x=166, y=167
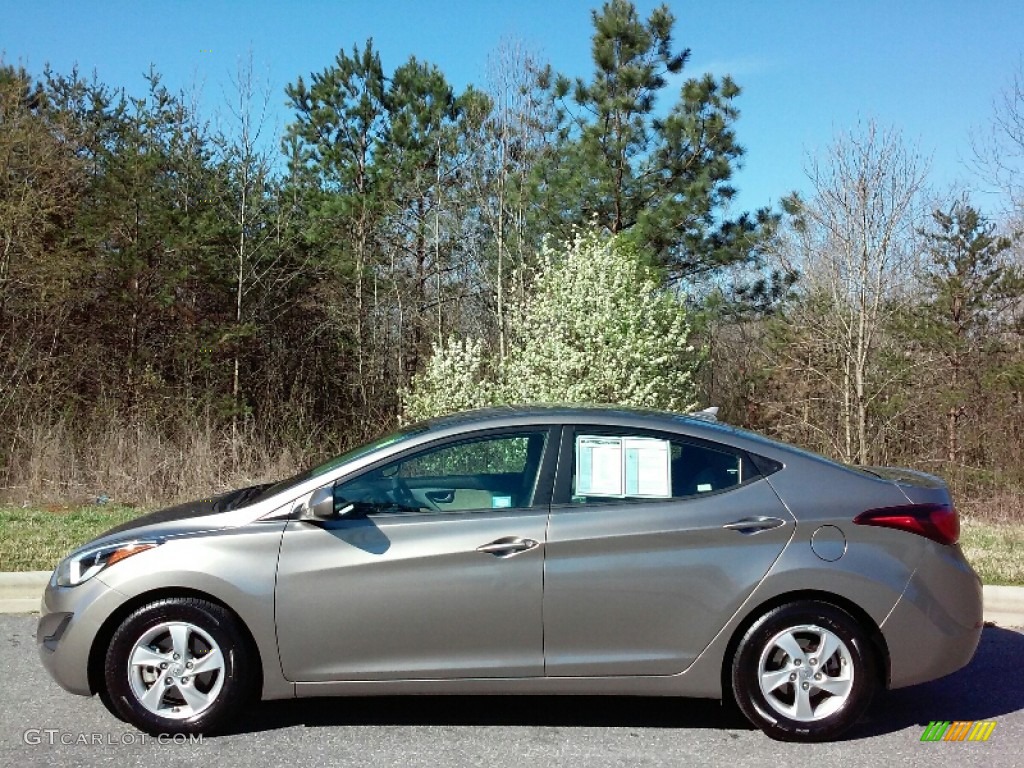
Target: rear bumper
x=934, y=628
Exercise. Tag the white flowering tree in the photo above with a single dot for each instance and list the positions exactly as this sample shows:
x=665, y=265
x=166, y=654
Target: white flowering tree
x=457, y=378
x=598, y=327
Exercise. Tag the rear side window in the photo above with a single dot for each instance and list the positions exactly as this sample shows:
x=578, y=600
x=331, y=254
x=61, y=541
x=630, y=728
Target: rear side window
x=635, y=467
x=697, y=470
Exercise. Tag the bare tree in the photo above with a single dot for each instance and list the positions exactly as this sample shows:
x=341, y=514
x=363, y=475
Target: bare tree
x=857, y=243
x=998, y=149
x=505, y=148
x=246, y=160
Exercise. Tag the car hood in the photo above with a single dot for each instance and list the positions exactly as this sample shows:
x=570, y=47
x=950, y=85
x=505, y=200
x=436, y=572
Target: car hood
x=193, y=511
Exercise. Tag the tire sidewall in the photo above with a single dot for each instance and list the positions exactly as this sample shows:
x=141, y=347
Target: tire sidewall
x=213, y=620
x=746, y=685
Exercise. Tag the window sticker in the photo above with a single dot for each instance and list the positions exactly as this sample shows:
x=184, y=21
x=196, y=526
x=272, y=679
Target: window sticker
x=598, y=466
x=647, y=467
x=500, y=502
x=623, y=466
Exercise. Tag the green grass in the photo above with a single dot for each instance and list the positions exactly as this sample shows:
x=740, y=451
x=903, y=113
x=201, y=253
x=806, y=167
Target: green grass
x=996, y=550
x=37, y=539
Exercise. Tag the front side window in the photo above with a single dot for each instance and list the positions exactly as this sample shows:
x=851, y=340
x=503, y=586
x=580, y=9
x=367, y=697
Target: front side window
x=484, y=473
x=638, y=467
x=337, y=461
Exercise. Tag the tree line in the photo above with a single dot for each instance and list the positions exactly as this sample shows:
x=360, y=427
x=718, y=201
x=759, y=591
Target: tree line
x=181, y=305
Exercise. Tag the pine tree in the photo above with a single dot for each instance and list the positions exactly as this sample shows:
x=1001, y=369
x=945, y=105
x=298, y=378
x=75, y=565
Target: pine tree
x=968, y=281
x=665, y=180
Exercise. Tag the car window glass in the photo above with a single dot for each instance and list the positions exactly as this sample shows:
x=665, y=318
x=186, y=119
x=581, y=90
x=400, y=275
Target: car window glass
x=609, y=468
x=337, y=461
x=478, y=474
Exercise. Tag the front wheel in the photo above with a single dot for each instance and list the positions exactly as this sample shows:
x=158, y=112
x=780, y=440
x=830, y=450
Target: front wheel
x=178, y=665
x=804, y=672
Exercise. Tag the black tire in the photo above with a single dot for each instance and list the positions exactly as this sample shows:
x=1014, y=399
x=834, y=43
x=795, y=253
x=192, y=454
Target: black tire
x=829, y=718
x=108, y=702
x=237, y=674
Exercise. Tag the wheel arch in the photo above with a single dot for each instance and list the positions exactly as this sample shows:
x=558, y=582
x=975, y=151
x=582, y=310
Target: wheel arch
x=877, y=639
x=101, y=641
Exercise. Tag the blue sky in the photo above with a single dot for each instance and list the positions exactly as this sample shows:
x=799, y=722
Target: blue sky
x=807, y=69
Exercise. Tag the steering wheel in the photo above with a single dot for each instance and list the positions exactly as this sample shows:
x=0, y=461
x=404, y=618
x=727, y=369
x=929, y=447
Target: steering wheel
x=401, y=494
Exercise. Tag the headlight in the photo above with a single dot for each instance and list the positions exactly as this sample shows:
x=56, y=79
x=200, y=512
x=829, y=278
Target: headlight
x=81, y=567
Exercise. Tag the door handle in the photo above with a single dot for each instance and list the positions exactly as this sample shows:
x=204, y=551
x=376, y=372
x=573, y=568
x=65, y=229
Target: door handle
x=441, y=497
x=750, y=525
x=506, y=547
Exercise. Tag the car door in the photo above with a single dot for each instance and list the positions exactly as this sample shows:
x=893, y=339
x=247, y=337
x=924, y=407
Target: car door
x=436, y=572
x=642, y=570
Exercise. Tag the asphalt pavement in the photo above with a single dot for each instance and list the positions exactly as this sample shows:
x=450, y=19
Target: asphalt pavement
x=42, y=725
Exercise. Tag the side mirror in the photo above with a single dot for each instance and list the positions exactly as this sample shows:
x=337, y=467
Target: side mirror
x=321, y=504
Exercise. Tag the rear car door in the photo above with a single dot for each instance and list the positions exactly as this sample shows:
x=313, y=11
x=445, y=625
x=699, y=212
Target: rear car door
x=437, y=574
x=654, y=541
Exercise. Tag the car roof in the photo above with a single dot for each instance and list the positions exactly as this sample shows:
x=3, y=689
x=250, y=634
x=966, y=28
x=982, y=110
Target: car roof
x=616, y=415
x=558, y=413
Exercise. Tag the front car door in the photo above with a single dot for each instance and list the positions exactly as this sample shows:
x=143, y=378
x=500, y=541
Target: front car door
x=436, y=571
x=641, y=571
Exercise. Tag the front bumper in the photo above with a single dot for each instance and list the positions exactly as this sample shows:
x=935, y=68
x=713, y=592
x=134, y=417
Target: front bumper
x=69, y=620
x=936, y=625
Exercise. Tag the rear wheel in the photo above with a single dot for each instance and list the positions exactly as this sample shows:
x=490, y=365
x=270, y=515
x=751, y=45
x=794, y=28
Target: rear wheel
x=804, y=672
x=179, y=665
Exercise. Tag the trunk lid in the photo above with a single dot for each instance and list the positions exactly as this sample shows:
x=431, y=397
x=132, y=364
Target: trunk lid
x=918, y=487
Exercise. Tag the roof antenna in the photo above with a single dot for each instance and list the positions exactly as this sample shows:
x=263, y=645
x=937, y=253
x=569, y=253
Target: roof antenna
x=708, y=414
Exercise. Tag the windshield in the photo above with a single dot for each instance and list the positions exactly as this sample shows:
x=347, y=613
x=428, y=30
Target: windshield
x=337, y=461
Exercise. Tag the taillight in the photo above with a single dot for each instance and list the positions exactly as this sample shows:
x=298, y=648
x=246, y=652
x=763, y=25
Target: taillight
x=937, y=522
